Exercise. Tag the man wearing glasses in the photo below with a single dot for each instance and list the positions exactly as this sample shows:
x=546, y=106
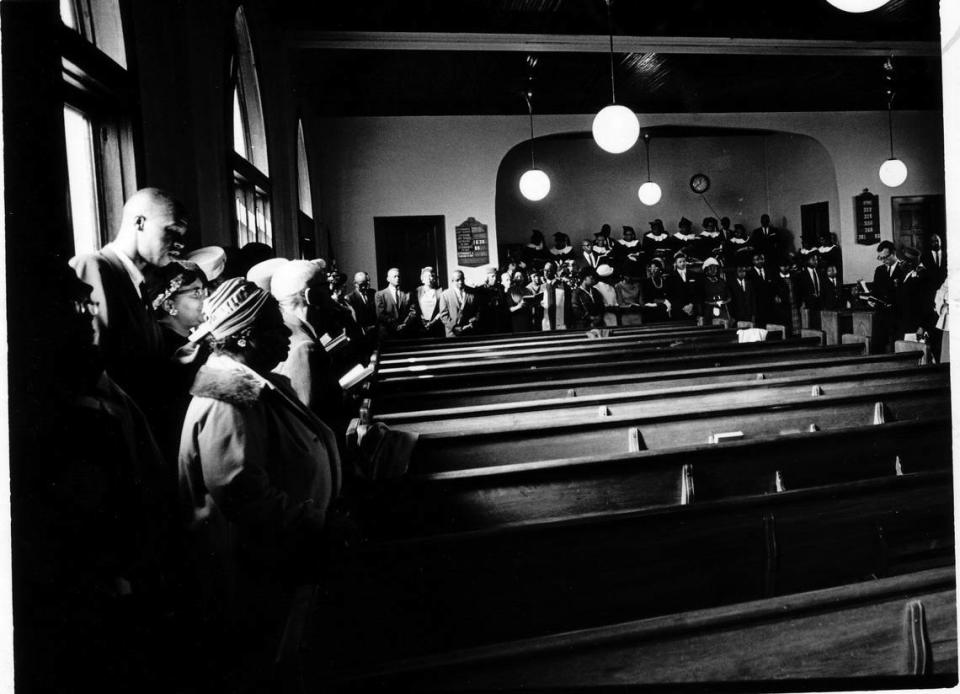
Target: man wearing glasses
x=887, y=279
x=151, y=235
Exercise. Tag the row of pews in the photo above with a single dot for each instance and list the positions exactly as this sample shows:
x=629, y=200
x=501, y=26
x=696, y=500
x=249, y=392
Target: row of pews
x=649, y=505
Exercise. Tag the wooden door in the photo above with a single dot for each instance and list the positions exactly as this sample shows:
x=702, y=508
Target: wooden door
x=915, y=218
x=814, y=221
x=409, y=244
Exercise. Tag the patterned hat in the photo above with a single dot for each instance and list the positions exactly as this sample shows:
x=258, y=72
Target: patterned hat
x=234, y=306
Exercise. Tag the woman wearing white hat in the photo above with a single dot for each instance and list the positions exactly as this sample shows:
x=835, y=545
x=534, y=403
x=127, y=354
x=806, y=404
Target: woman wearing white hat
x=716, y=294
x=258, y=476
x=611, y=313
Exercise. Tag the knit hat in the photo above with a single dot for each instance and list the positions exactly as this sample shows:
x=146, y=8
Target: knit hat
x=234, y=306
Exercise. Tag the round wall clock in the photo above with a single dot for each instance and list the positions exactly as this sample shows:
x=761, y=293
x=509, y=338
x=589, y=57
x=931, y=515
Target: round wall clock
x=699, y=183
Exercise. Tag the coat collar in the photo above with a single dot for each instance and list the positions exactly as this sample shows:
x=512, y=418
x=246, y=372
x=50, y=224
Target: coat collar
x=229, y=381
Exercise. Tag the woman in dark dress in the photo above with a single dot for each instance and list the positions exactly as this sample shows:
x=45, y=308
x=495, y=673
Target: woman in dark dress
x=655, y=305
x=521, y=316
x=716, y=294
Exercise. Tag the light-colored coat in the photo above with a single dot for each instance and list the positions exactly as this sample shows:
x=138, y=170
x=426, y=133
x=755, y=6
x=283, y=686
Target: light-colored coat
x=258, y=472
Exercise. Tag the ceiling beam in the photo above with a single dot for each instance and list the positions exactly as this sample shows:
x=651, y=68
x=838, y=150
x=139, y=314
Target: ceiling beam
x=568, y=43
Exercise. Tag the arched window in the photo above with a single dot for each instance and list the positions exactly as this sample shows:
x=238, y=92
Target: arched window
x=101, y=169
x=251, y=182
x=306, y=229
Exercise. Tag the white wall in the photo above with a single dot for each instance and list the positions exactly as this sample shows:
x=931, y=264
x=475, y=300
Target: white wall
x=448, y=165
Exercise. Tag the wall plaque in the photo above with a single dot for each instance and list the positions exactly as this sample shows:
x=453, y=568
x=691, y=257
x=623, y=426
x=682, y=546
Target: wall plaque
x=866, y=215
x=473, y=244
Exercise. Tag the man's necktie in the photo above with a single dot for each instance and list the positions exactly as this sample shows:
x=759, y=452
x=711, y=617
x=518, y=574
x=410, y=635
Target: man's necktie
x=816, y=283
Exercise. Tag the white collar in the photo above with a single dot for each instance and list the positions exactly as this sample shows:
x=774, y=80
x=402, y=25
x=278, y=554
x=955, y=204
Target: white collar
x=685, y=237
x=628, y=244
x=826, y=249
x=656, y=237
x=601, y=250
x=561, y=251
x=132, y=270
x=736, y=239
x=536, y=247
x=710, y=234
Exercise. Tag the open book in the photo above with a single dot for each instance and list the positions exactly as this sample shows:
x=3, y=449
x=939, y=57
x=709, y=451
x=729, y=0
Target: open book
x=355, y=376
x=332, y=343
x=866, y=296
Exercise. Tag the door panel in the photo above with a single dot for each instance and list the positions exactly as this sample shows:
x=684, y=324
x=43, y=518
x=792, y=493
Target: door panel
x=409, y=244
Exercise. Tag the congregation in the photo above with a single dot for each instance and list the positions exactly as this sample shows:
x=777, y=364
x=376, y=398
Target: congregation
x=217, y=376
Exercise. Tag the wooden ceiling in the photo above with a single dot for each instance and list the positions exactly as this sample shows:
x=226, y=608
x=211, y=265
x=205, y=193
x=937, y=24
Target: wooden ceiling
x=441, y=57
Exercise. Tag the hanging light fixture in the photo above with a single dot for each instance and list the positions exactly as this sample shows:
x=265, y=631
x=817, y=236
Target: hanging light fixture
x=858, y=6
x=615, y=127
x=534, y=183
x=649, y=193
x=893, y=172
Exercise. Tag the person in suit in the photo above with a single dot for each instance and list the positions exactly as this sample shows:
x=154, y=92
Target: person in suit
x=427, y=306
x=587, y=257
x=766, y=238
x=934, y=259
x=683, y=290
x=762, y=284
x=587, y=303
x=362, y=301
x=151, y=235
x=887, y=279
x=459, y=307
x=396, y=314
x=784, y=305
x=810, y=284
x=833, y=298
x=743, y=296
x=914, y=298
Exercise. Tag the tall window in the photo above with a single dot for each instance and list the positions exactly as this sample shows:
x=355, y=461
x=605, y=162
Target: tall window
x=305, y=225
x=251, y=182
x=96, y=119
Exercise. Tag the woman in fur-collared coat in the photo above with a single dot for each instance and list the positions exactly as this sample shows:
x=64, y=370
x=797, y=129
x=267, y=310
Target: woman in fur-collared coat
x=258, y=475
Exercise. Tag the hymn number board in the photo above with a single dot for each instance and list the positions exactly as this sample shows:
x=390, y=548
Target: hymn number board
x=473, y=248
x=866, y=214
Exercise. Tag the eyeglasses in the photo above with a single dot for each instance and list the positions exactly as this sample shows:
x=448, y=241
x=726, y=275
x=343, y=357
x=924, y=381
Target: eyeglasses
x=196, y=292
x=86, y=307
x=884, y=257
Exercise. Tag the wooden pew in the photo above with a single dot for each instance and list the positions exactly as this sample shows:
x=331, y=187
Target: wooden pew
x=805, y=362
x=838, y=380
x=898, y=632
x=565, y=347
x=528, y=579
x=657, y=427
x=564, y=355
x=470, y=341
x=523, y=371
x=486, y=497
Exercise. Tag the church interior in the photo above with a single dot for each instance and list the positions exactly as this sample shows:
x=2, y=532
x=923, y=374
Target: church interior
x=662, y=464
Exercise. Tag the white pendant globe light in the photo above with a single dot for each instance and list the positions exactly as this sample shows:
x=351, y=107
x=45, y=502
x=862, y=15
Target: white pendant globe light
x=615, y=127
x=858, y=6
x=893, y=173
x=534, y=185
x=649, y=193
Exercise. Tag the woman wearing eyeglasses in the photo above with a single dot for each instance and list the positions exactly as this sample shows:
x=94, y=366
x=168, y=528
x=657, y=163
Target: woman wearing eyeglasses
x=176, y=294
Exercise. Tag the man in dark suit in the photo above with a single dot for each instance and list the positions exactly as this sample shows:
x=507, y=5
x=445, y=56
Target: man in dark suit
x=395, y=314
x=810, y=286
x=766, y=238
x=683, y=290
x=934, y=259
x=913, y=301
x=763, y=285
x=887, y=279
x=151, y=233
x=832, y=297
x=784, y=302
x=458, y=307
x=361, y=300
x=743, y=296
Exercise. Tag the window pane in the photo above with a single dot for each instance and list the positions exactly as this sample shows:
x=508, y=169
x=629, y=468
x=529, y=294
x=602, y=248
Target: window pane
x=249, y=92
x=82, y=174
x=239, y=132
x=303, y=172
x=68, y=13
